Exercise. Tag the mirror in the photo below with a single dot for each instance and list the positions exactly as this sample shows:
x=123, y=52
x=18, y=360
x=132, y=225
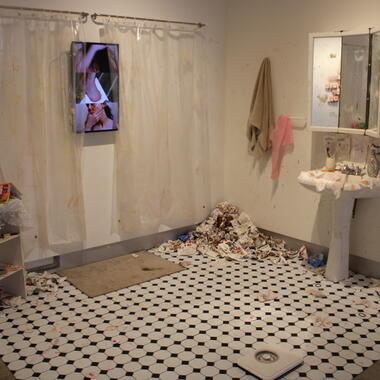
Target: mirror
x=326, y=81
x=339, y=82
x=354, y=82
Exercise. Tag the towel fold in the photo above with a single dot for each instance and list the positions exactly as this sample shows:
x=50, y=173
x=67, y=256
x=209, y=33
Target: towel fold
x=261, y=120
x=281, y=138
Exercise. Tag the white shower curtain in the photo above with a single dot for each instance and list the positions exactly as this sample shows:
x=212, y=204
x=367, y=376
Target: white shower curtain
x=161, y=155
x=39, y=152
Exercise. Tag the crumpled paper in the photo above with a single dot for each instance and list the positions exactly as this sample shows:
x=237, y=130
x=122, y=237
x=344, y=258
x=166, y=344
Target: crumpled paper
x=320, y=320
x=316, y=293
x=267, y=296
x=335, y=181
x=230, y=234
x=323, y=180
x=8, y=301
x=187, y=250
x=42, y=282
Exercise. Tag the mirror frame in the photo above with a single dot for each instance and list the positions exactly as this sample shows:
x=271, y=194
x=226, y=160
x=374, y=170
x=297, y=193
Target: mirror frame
x=374, y=132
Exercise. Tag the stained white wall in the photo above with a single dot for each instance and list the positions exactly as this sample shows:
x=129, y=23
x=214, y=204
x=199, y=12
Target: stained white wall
x=279, y=30
x=99, y=149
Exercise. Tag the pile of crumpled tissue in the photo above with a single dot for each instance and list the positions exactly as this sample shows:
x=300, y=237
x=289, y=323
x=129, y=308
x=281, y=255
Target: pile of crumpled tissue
x=42, y=282
x=230, y=233
x=7, y=300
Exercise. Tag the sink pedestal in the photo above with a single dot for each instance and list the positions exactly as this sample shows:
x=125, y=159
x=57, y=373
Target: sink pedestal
x=346, y=189
x=339, y=249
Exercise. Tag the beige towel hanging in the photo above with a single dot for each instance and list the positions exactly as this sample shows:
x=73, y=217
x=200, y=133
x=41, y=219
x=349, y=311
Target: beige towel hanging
x=261, y=119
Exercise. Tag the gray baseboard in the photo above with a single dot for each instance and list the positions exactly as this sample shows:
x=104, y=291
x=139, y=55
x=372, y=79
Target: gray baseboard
x=358, y=264
x=370, y=268
x=293, y=243
x=108, y=251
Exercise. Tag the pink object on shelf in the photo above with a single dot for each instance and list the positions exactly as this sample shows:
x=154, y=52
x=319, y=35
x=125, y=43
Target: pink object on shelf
x=282, y=137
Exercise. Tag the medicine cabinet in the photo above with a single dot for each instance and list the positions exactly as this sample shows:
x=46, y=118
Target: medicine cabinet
x=344, y=80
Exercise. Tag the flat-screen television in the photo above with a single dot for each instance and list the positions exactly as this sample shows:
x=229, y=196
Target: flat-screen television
x=95, y=86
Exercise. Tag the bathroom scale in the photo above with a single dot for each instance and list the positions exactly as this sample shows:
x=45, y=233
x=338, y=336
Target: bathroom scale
x=269, y=362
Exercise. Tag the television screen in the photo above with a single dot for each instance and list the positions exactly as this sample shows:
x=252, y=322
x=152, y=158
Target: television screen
x=96, y=86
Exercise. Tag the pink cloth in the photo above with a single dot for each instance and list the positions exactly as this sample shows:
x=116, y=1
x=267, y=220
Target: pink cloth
x=282, y=137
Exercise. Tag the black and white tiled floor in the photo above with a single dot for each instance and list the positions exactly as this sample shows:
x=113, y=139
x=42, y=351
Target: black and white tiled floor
x=195, y=324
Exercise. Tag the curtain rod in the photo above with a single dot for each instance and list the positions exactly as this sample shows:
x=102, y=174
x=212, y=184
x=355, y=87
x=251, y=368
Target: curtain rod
x=94, y=16
x=83, y=15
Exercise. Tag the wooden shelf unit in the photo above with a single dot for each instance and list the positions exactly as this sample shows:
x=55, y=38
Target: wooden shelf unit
x=12, y=283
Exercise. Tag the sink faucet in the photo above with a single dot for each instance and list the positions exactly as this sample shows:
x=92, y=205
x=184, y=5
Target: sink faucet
x=354, y=170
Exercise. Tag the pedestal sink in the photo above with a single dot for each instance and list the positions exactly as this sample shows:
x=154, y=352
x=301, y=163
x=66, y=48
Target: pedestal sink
x=339, y=248
x=346, y=188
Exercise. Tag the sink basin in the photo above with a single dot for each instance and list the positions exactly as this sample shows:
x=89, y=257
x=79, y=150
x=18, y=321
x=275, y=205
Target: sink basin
x=346, y=188
x=354, y=179
x=362, y=187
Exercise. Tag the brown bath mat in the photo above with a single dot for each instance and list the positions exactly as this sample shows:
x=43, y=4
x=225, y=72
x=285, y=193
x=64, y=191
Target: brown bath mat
x=5, y=374
x=107, y=276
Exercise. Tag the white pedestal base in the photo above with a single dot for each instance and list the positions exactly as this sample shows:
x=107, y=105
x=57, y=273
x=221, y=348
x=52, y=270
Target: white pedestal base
x=339, y=250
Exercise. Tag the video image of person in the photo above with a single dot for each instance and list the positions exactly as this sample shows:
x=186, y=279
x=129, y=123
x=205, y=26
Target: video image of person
x=96, y=77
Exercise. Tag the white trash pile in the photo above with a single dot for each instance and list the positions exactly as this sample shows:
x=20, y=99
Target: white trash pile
x=7, y=300
x=229, y=233
x=43, y=282
x=36, y=283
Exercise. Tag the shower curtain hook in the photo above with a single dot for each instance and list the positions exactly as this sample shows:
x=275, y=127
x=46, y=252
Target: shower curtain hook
x=83, y=17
